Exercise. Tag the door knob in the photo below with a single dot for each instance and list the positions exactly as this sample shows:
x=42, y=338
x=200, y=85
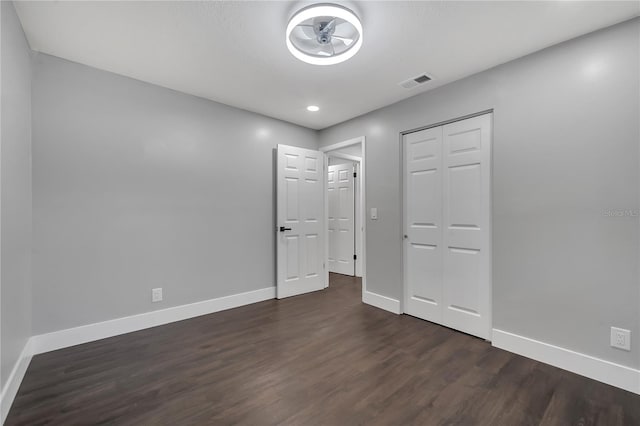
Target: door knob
x=282, y=229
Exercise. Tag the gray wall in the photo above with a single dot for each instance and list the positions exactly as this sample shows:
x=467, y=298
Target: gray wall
x=136, y=186
x=15, y=211
x=565, y=149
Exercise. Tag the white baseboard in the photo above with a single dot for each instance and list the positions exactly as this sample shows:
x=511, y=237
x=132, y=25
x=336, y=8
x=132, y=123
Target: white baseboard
x=382, y=302
x=613, y=374
x=101, y=330
x=10, y=388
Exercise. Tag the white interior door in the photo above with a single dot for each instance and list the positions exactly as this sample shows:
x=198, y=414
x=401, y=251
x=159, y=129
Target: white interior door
x=423, y=224
x=341, y=218
x=447, y=225
x=301, y=225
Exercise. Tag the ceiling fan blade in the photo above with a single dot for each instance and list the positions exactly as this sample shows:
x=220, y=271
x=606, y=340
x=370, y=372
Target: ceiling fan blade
x=325, y=50
x=344, y=29
x=338, y=45
x=345, y=40
x=305, y=32
x=307, y=44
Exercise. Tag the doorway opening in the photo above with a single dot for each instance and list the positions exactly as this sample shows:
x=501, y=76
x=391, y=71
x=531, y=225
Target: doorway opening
x=302, y=212
x=345, y=210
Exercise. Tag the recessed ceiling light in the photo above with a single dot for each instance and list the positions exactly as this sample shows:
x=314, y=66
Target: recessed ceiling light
x=313, y=108
x=324, y=34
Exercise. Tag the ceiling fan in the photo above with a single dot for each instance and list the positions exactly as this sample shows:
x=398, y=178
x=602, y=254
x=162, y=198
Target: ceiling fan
x=324, y=34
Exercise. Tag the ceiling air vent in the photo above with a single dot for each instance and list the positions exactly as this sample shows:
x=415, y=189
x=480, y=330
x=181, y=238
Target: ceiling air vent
x=415, y=81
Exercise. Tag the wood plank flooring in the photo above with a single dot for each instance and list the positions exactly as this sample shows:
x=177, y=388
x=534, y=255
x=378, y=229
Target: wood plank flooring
x=318, y=359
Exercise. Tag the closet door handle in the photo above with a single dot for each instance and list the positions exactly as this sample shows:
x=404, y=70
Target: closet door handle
x=282, y=229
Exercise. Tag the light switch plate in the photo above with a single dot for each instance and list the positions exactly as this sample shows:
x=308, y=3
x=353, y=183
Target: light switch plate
x=374, y=213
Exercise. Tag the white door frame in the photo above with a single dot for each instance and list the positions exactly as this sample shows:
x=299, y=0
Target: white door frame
x=363, y=204
x=403, y=208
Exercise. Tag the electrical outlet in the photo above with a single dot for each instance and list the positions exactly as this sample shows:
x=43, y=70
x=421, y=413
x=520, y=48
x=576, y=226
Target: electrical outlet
x=621, y=338
x=156, y=294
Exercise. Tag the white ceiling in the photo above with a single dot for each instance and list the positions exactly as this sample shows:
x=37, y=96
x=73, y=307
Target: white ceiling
x=235, y=53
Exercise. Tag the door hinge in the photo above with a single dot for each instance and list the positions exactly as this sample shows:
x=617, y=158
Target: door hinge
x=355, y=257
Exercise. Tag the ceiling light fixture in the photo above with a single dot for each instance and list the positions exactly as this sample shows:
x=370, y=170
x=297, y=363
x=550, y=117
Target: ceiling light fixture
x=324, y=34
x=313, y=108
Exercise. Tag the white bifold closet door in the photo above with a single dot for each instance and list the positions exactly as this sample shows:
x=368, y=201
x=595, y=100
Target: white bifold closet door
x=341, y=218
x=447, y=203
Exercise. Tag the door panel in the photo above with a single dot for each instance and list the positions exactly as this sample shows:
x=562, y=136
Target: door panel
x=312, y=255
x=423, y=225
x=467, y=208
x=447, y=225
x=291, y=195
x=425, y=259
x=300, y=209
x=292, y=250
x=341, y=218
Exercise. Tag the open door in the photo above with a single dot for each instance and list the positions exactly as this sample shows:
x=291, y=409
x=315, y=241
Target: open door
x=300, y=221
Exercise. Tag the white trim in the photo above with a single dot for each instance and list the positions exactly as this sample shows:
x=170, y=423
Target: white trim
x=325, y=192
x=613, y=374
x=344, y=156
x=363, y=211
x=12, y=385
x=101, y=330
x=382, y=302
x=403, y=224
x=349, y=142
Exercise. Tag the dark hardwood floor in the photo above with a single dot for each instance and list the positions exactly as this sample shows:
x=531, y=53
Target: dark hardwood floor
x=318, y=359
